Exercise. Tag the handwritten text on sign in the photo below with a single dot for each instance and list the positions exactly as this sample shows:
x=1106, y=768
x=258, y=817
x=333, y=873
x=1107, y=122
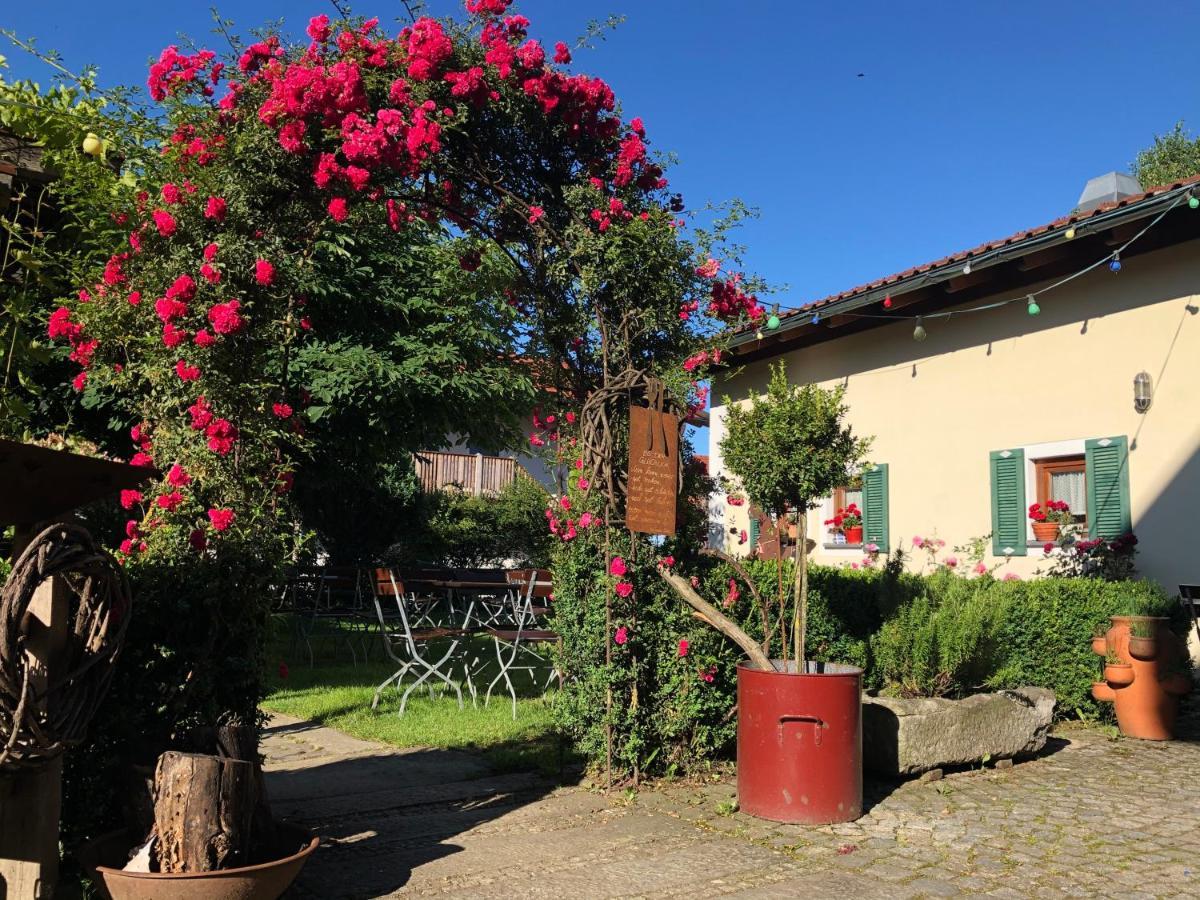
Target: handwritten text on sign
x=653, y=489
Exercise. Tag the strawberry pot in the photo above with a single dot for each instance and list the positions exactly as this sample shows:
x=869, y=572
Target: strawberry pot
x=799, y=743
x=1045, y=532
x=1152, y=675
x=854, y=535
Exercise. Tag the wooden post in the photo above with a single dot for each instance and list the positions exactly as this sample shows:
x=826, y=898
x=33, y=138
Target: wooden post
x=203, y=811
x=30, y=802
x=478, y=474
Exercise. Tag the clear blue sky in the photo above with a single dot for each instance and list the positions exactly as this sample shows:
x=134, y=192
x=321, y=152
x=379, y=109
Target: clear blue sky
x=972, y=120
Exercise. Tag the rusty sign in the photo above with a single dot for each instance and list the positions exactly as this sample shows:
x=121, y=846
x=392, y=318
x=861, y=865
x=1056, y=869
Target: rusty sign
x=653, y=491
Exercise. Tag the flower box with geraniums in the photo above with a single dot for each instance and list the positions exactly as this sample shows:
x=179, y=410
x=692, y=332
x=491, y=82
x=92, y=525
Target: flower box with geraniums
x=1050, y=520
x=848, y=523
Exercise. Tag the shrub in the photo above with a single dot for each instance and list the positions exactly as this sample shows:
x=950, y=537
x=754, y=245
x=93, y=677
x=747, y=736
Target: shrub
x=945, y=643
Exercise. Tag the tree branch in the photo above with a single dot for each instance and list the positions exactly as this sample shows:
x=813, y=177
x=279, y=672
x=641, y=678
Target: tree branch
x=717, y=619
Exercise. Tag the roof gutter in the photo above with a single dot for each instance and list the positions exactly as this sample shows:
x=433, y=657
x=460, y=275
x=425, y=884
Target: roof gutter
x=1055, y=236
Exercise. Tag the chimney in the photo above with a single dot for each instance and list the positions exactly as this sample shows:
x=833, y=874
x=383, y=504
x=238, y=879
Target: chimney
x=1108, y=189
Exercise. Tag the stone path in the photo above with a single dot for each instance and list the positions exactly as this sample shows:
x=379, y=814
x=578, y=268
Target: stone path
x=1095, y=817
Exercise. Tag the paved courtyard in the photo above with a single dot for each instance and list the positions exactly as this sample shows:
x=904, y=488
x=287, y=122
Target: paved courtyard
x=1093, y=816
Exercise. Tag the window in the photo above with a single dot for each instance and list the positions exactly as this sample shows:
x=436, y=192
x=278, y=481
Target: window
x=870, y=494
x=1063, y=478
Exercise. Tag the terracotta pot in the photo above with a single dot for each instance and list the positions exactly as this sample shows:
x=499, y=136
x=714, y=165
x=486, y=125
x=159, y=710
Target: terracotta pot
x=104, y=856
x=1118, y=674
x=1100, y=645
x=1045, y=531
x=854, y=535
x=1148, y=704
x=1142, y=648
x=1102, y=693
x=793, y=531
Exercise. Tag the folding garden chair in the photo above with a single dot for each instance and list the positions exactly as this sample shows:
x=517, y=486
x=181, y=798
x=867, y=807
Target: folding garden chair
x=411, y=648
x=1189, y=596
x=526, y=639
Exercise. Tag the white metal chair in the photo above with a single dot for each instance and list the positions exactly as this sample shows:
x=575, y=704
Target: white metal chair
x=409, y=647
x=529, y=604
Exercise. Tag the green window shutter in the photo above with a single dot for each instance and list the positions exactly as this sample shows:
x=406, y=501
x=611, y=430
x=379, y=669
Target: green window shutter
x=875, y=506
x=1008, y=502
x=1107, y=474
x=753, y=531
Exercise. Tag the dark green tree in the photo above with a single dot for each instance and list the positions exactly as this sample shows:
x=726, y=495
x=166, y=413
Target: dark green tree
x=1172, y=157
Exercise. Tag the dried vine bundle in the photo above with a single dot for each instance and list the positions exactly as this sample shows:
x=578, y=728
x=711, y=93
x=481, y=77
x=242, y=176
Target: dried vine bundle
x=38, y=721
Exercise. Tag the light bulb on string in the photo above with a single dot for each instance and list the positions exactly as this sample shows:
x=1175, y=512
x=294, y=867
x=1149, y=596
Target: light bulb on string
x=1033, y=309
x=966, y=270
x=887, y=302
x=773, y=319
x=1069, y=234
x=1193, y=202
x=758, y=334
x=919, y=333
x=1115, y=264
x=816, y=319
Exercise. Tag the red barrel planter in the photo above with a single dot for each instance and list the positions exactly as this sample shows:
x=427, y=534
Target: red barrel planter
x=799, y=743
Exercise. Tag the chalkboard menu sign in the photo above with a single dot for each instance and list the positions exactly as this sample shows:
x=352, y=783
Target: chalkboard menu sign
x=653, y=490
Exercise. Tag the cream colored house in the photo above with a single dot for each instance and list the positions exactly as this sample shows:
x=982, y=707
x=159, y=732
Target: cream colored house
x=996, y=409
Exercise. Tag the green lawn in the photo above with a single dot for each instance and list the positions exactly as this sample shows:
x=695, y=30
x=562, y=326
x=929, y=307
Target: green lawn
x=338, y=694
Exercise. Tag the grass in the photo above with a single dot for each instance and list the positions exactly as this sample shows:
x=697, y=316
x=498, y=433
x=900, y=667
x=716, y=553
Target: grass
x=338, y=694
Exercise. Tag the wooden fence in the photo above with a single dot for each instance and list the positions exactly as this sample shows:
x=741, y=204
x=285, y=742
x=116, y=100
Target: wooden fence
x=473, y=473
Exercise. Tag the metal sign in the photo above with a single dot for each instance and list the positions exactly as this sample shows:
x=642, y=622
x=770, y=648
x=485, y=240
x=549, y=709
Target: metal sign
x=653, y=491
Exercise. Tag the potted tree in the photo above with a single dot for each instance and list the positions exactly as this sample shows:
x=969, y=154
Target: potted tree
x=1050, y=519
x=799, y=721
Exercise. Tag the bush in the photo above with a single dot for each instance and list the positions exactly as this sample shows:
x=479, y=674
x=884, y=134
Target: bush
x=945, y=643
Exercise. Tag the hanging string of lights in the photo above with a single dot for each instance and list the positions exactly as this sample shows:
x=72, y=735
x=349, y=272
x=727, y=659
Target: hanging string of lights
x=1032, y=307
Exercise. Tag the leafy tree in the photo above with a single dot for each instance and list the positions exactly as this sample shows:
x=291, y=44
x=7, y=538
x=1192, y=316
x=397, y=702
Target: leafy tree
x=789, y=449
x=1173, y=156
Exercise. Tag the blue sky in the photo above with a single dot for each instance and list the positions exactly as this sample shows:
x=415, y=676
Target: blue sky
x=972, y=120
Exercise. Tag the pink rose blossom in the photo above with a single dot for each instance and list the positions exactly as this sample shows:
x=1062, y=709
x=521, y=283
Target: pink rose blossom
x=683, y=647
x=129, y=499
x=264, y=272
x=617, y=567
x=178, y=477
x=621, y=636
x=221, y=519
x=623, y=589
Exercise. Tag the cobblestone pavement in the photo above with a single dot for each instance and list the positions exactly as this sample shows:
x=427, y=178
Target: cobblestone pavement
x=1092, y=816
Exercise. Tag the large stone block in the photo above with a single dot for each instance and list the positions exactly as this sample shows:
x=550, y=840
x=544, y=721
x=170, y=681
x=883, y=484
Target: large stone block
x=907, y=736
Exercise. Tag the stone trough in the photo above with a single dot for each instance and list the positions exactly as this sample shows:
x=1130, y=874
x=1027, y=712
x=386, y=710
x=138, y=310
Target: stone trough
x=910, y=736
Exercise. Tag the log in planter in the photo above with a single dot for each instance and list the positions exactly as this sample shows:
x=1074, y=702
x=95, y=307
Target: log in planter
x=1149, y=679
x=799, y=744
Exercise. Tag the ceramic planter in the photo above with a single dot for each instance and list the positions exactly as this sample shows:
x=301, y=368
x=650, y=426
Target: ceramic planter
x=1046, y=532
x=1149, y=679
x=854, y=535
x=104, y=857
x=799, y=743
x=1118, y=675
x=1102, y=693
x=1100, y=645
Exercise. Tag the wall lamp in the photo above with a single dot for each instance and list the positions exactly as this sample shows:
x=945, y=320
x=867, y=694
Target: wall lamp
x=1143, y=391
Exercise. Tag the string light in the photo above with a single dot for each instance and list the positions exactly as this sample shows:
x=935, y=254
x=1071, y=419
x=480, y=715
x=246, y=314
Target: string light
x=1113, y=261
x=758, y=334
x=773, y=319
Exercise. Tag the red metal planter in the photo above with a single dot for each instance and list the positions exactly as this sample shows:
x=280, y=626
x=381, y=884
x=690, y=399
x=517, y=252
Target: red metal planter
x=800, y=743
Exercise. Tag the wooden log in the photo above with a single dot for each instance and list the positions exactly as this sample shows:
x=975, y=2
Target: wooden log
x=204, y=811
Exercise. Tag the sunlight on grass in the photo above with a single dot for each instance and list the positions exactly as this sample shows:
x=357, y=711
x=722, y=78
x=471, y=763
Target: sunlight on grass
x=338, y=694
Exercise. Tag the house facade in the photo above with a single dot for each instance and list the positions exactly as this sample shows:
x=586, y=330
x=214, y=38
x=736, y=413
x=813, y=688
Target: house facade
x=999, y=407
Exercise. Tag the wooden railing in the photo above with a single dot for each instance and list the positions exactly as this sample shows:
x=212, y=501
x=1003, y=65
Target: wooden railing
x=474, y=473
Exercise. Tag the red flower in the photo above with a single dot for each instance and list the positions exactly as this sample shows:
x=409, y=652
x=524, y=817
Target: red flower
x=164, y=222
x=221, y=436
x=210, y=252
x=623, y=589
x=201, y=413
x=170, y=501
x=225, y=318
x=562, y=53
x=264, y=272
x=215, y=209
x=318, y=29
x=282, y=410
x=130, y=498
x=170, y=193
x=683, y=647
x=211, y=275
x=338, y=210
x=198, y=540
x=172, y=336
x=186, y=372
x=178, y=477
x=221, y=519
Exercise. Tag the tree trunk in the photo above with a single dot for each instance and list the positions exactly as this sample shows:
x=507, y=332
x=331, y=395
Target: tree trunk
x=800, y=591
x=715, y=618
x=204, y=810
